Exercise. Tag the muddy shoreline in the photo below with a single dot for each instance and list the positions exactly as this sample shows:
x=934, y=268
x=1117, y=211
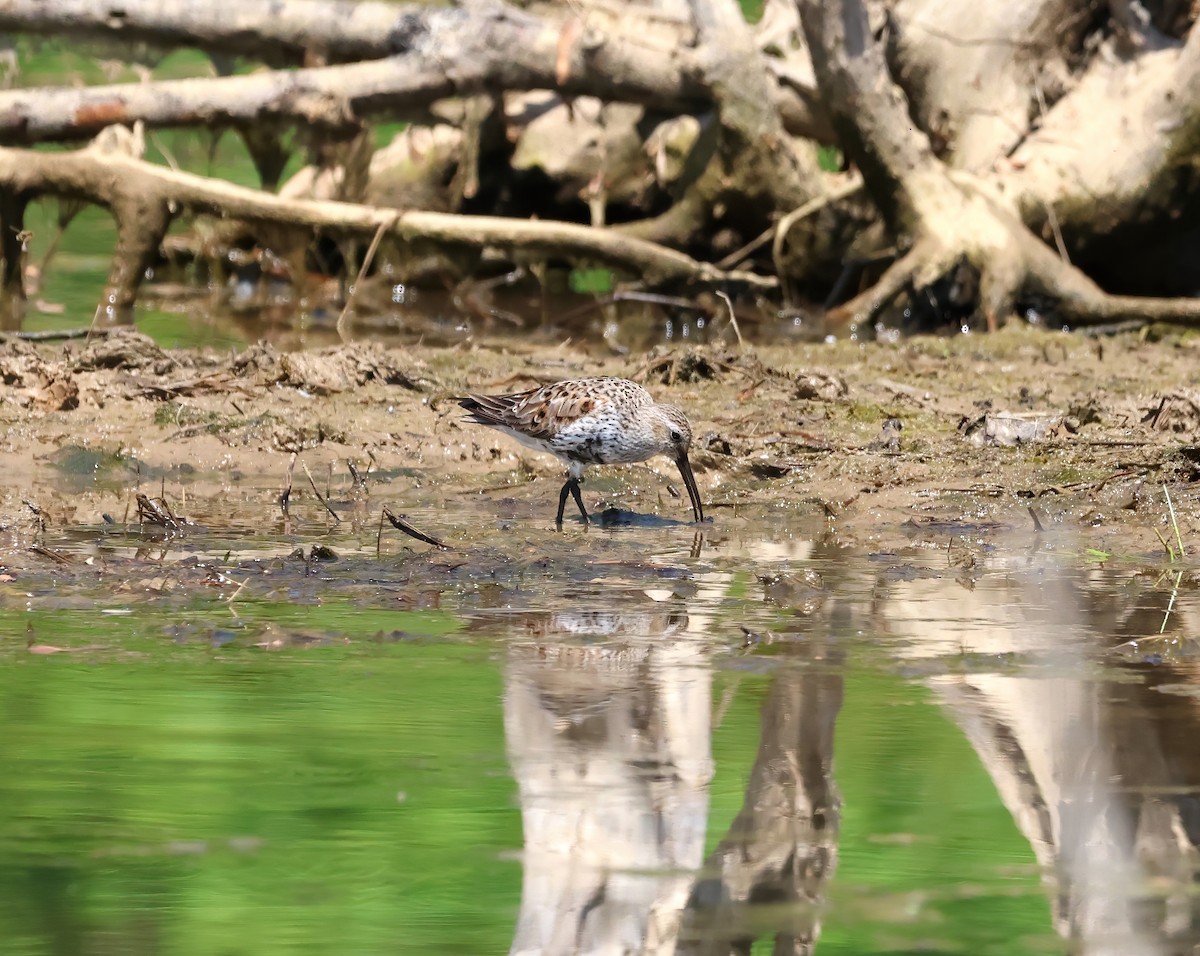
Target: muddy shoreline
x=1024, y=432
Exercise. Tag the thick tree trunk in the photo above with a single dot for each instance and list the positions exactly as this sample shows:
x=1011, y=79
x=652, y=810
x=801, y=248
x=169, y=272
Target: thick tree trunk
x=1082, y=151
x=12, y=247
x=976, y=73
x=946, y=218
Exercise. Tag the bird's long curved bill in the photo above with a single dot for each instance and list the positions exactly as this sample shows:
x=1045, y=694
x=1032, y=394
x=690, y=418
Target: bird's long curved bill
x=689, y=481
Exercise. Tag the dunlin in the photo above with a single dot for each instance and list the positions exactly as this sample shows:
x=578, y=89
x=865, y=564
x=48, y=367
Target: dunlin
x=590, y=421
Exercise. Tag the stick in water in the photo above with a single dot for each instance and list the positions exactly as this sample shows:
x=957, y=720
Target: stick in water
x=400, y=524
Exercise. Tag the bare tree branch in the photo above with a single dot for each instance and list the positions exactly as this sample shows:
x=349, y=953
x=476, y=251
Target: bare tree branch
x=867, y=109
x=478, y=46
x=260, y=28
x=143, y=196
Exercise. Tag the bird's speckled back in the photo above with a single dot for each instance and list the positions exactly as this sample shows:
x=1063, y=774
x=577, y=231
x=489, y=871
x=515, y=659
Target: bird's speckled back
x=591, y=421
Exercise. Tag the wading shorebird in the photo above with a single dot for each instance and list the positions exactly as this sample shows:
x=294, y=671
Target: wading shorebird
x=590, y=421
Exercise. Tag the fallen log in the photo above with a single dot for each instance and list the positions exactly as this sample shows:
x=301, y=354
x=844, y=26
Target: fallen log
x=428, y=53
x=144, y=198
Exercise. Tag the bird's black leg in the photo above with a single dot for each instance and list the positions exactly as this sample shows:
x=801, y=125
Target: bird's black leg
x=571, y=488
x=579, y=499
x=562, y=503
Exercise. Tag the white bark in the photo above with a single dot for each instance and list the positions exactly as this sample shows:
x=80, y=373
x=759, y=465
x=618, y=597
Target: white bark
x=976, y=72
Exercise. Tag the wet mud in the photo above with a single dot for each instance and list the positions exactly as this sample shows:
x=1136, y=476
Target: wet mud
x=931, y=439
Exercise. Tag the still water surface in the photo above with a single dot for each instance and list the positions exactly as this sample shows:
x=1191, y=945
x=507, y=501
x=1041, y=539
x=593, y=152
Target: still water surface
x=621, y=740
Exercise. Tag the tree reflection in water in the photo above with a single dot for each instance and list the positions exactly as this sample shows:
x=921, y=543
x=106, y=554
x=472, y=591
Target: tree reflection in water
x=610, y=742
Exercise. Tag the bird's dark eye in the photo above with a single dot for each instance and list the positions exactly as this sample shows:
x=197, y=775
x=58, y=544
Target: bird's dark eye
x=676, y=437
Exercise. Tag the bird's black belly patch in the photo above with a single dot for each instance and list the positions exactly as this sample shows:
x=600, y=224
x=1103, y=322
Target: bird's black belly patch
x=588, y=451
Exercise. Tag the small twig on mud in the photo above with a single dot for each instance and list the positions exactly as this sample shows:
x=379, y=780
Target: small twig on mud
x=157, y=512
x=321, y=498
x=1174, y=522
x=385, y=225
x=1171, y=606
x=1166, y=547
x=52, y=335
x=38, y=513
x=667, y=365
x=213, y=382
x=287, y=492
x=400, y=524
x=732, y=318
x=229, y=600
x=1037, y=524
x=749, y=390
x=95, y=316
x=54, y=556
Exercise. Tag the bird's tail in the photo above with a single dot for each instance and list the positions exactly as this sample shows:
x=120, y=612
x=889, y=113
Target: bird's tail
x=484, y=409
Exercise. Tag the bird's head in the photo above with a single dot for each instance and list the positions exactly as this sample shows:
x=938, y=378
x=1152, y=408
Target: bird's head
x=673, y=431
x=674, y=434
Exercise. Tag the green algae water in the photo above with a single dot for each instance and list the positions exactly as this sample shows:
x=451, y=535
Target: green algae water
x=581, y=743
